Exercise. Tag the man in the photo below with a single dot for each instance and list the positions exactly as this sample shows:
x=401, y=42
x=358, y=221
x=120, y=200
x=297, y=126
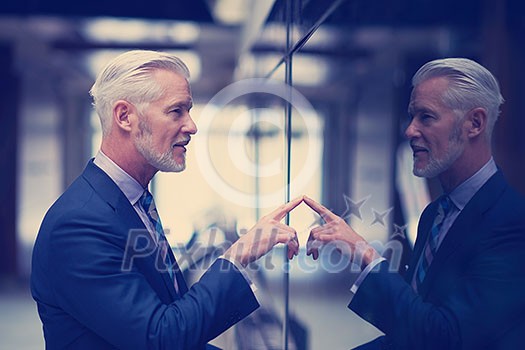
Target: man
x=465, y=285
x=102, y=274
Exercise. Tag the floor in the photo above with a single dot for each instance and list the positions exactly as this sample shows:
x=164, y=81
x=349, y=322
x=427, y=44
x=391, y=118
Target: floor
x=20, y=327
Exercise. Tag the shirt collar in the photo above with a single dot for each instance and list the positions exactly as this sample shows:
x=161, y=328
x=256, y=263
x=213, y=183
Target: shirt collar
x=462, y=194
x=127, y=184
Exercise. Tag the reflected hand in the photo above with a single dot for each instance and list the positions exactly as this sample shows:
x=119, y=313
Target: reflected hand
x=266, y=233
x=336, y=230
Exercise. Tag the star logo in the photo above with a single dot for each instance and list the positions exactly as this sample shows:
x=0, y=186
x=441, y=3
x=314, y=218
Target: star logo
x=353, y=208
x=317, y=221
x=379, y=218
x=399, y=231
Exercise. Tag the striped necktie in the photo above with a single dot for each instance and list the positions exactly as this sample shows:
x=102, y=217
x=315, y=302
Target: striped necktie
x=432, y=242
x=148, y=204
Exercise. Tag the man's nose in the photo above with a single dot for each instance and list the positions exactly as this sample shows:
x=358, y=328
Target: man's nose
x=411, y=131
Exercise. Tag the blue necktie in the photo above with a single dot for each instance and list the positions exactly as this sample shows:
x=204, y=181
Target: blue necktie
x=148, y=204
x=432, y=242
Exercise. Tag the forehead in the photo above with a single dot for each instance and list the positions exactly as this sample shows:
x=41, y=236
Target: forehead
x=428, y=94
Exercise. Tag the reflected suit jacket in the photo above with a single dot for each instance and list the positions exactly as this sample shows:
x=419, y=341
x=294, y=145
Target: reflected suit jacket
x=473, y=296
x=97, y=289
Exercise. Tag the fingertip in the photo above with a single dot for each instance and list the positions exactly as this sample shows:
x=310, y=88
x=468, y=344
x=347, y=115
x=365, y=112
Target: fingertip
x=296, y=201
x=310, y=202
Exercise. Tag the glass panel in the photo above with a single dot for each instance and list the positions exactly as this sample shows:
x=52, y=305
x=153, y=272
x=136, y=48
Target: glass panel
x=308, y=115
x=235, y=174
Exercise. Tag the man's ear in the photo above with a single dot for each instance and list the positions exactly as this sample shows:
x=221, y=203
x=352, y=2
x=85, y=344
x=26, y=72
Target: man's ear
x=122, y=114
x=477, y=122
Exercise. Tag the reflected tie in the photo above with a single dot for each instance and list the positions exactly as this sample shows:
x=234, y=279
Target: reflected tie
x=148, y=204
x=432, y=242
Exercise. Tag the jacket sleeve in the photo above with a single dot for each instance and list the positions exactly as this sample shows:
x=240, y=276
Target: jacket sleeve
x=89, y=283
x=472, y=309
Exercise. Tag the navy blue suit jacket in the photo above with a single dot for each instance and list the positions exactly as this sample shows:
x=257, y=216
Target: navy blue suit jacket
x=473, y=296
x=97, y=289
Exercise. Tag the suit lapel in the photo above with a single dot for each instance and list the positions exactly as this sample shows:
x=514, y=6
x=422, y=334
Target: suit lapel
x=463, y=230
x=111, y=193
x=423, y=230
x=181, y=283
x=153, y=262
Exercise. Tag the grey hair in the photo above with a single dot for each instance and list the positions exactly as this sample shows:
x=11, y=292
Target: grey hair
x=470, y=86
x=129, y=77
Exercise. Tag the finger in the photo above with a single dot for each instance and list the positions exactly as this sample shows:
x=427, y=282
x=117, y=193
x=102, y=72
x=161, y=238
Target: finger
x=294, y=244
x=322, y=233
x=319, y=229
x=282, y=227
x=285, y=237
x=290, y=239
x=278, y=229
x=312, y=247
x=318, y=237
x=314, y=252
x=326, y=214
x=293, y=249
x=279, y=213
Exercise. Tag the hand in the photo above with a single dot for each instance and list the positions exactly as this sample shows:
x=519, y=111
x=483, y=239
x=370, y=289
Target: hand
x=261, y=238
x=337, y=230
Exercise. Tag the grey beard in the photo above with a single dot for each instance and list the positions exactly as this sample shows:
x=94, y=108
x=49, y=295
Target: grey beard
x=161, y=161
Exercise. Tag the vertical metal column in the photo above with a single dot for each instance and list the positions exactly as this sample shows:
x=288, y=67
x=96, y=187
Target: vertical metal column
x=256, y=134
x=288, y=148
x=9, y=85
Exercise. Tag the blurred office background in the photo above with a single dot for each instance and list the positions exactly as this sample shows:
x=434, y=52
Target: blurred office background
x=340, y=139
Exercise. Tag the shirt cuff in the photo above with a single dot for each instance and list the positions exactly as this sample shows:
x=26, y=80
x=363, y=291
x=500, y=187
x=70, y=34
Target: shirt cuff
x=243, y=272
x=365, y=273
